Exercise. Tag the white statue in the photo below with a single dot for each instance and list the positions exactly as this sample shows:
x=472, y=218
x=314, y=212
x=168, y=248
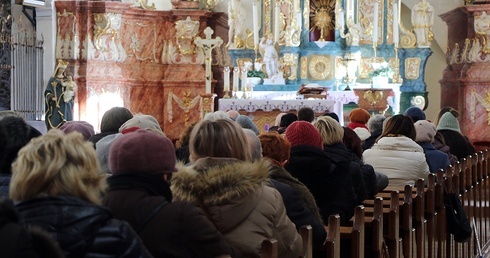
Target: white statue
x=70, y=89
x=422, y=21
x=236, y=20
x=270, y=57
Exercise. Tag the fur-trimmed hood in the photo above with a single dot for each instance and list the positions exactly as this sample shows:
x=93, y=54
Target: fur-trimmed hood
x=228, y=190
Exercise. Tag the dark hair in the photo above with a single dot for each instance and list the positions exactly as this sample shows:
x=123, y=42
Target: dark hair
x=399, y=125
x=352, y=141
x=332, y=115
x=306, y=114
x=288, y=119
x=185, y=136
x=444, y=110
x=114, y=118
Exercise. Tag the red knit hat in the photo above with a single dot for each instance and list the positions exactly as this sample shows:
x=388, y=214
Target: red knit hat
x=303, y=133
x=359, y=115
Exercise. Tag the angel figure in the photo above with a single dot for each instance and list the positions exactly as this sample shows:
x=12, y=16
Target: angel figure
x=270, y=56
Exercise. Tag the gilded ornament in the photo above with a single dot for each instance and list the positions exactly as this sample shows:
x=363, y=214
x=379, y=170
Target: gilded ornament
x=185, y=32
x=323, y=17
x=373, y=97
x=319, y=67
x=412, y=67
x=304, y=67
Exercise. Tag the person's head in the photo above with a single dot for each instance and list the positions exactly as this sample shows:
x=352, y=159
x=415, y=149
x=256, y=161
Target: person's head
x=442, y=111
x=303, y=133
x=254, y=144
x=426, y=131
x=16, y=133
x=288, y=119
x=399, y=125
x=142, y=121
x=222, y=138
x=359, y=115
x=332, y=115
x=278, y=119
x=449, y=121
x=102, y=150
x=114, y=118
x=83, y=127
x=246, y=122
x=352, y=141
x=142, y=151
x=306, y=114
x=233, y=114
x=275, y=147
x=56, y=164
x=375, y=123
x=7, y=113
x=185, y=136
x=330, y=130
x=415, y=113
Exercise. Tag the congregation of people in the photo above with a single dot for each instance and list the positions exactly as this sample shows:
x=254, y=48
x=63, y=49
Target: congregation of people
x=218, y=191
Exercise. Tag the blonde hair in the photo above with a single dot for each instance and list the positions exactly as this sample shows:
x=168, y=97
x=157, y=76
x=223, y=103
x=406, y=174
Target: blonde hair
x=330, y=130
x=57, y=165
x=221, y=138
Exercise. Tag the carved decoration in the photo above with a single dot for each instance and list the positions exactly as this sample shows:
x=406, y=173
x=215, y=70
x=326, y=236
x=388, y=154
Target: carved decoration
x=185, y=103
x=144, y=42
x=483, y=100
x=365, y=14
x=66, y=39
x=267, y=27
x=482, y=24
x=185, y=33
x=291, y=61
x=107, y=42
x=412, y=67
x=319, y=67
x=366, y=65
x=304, y=67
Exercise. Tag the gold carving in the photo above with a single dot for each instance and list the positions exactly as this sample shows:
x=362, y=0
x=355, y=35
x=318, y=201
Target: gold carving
x=185, y=32
x=366, y=65
x=365, y=12
x=137, y=44
x=267, y=17
x=407, y=37
x=320, y=67
x=291, y=61
x=373, y=97
x=412, y=67
x=304, y=67
x=484, y=101
x=323, y=16
x=106, y=28
x=306, y=14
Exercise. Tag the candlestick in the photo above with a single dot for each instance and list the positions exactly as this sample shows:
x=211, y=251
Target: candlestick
x=226, y=79
x=244, y=78
x=255, y=17
x=277, y=16
x=375, y=22
x=236, y=71
x=341, y=20
x=396, y=33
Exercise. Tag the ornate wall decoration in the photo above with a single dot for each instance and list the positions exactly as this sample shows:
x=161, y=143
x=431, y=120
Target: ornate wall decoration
x=320, y=67
x=143, y=4
x=482, y=24
x=306, y=13
x=291, y=61
x=366, y=65
x=365, y=17
x=412, y=68
x=304, y=67
x=267, y=26
x=185, y=32
x=67, y=46
x=185, y=103
x=143, y=41
x=171, y=55
x=322, y=17
x=106, y=44
x=482, y=100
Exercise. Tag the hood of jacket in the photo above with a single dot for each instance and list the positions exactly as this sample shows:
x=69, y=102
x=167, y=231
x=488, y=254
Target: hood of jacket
x=72, y=222
x=401, y=143
x=228, y=190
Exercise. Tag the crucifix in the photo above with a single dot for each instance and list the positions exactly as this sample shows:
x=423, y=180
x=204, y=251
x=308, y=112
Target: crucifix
x=207, y=45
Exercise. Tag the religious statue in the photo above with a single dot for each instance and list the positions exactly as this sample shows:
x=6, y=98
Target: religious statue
x=236, y=20
x=270, y=56
x=59, y=97
x=422, y=21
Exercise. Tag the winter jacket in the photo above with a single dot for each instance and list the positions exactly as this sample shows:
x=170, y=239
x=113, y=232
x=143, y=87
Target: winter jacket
x=82, y=229
x=5, y=184
x=330, y=183
x=436, y=159
x=369, y=142
x=458, y=144
x=444, y=148
x=236, y=198
x=374, y=181
x=178, y=229
x=400, y=158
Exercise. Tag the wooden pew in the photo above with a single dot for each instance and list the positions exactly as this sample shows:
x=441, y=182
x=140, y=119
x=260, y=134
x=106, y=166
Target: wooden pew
x=332, y=243
x=419, y=219
x=377, y=228
x=430, y=215
x=269, y=248
x=306, y=233
x=441, y=236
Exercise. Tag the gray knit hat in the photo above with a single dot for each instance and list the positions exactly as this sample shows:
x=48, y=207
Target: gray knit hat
x=448, y=122
x=102, y=150
x=247, y=123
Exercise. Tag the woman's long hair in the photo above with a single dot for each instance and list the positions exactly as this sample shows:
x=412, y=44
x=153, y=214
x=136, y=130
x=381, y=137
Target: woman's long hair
x=399, y=125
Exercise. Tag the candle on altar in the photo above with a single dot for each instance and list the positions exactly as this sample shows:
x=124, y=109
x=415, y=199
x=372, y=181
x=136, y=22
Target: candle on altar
x=349, y=8
x=255, y=17
x=375, y=22
x=236, y=71
x=226, y=79
x=277, y=17
x=244, y=78
x=396, y=33
x=341, y=19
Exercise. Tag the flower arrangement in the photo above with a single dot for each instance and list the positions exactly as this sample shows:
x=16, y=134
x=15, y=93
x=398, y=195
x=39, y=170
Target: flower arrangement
x=255, y=71
x=381, y=70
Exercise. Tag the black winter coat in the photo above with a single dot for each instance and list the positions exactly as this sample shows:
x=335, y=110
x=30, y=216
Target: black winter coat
x=82, y=229
x=330, y=183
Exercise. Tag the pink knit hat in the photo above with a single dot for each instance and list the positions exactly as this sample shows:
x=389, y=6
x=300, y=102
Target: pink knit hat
x=425, y=131
x=86, y=129
x=303, y=133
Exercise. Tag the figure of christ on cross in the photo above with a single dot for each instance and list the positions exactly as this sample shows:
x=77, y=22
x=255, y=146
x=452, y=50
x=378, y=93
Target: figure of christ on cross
x=207, y=45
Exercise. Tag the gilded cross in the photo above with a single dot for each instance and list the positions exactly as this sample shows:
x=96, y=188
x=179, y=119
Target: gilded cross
x=207, y=45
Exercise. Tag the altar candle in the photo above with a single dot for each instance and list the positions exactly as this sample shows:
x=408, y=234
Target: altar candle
x=226, y=79
x=236, y=72
x=277, y=17
x=396, y=33
x=244, y=78
x=375, y=22
x=341, y=19
x=255, y=17
x=349, y=8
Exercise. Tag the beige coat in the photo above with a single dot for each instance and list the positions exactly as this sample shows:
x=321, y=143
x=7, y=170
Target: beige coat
x=236, y=198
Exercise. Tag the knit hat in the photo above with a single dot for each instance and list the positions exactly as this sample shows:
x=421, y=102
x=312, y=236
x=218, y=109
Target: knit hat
x=303, y=133
x=247, y=123
x=142, y=152
x=359, y=115
x=143, y=122
x=362, y=132
x=82, y=127
x=425, y=131
x=102, y=148
x=448, y=122
x=415, y=113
